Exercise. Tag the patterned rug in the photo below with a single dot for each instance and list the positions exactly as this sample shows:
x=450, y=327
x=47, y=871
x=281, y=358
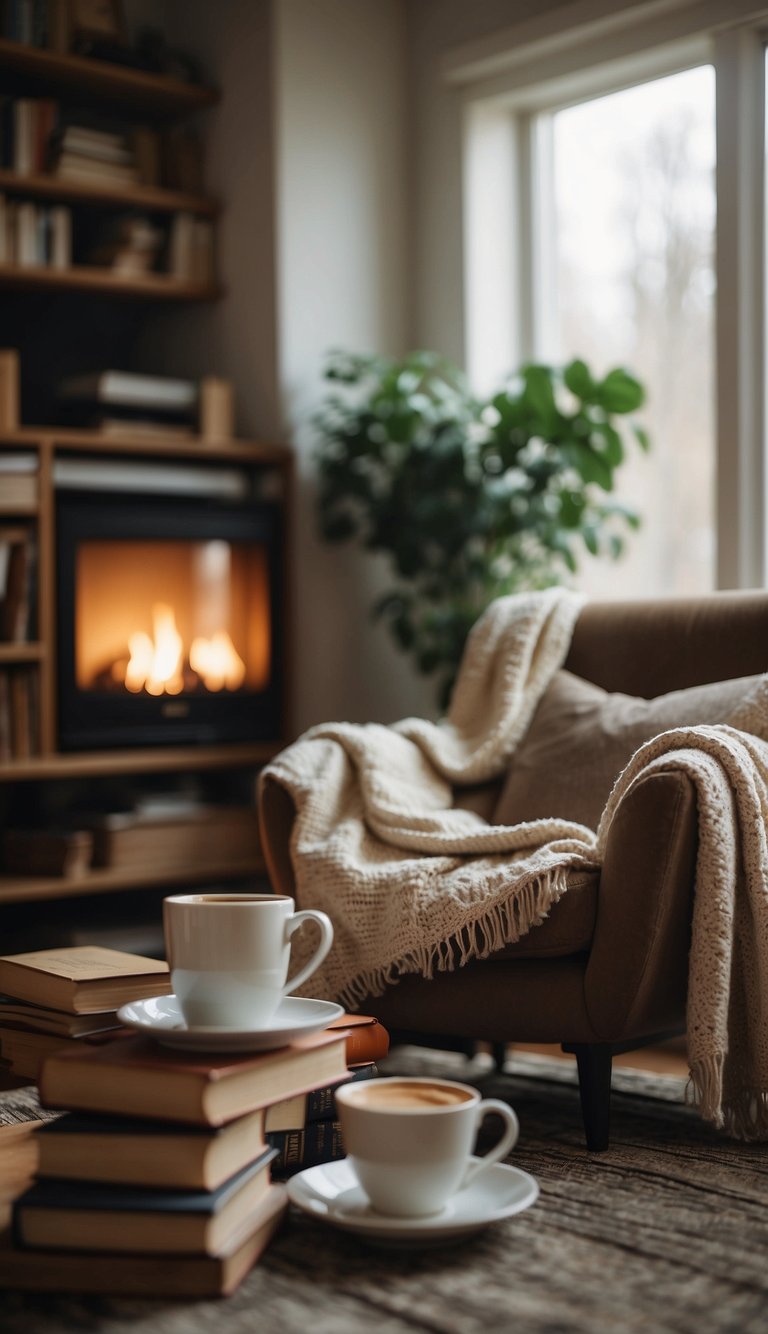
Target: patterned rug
x=667, y=1231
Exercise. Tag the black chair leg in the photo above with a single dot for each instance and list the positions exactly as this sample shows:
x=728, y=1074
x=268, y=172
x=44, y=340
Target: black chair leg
x=499, y=1054
x=594, y=1061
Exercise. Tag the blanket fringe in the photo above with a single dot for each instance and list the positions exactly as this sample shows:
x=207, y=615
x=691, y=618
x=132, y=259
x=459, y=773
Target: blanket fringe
x=499, y=925
x=744, y=1116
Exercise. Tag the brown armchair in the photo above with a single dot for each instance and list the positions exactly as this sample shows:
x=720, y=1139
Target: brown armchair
x=607, y=970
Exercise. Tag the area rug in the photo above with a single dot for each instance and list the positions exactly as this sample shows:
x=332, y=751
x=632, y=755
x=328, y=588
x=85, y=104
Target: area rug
x=666, y=1231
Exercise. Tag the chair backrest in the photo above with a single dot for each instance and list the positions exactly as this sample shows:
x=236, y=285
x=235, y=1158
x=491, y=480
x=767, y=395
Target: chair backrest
x=649, y=647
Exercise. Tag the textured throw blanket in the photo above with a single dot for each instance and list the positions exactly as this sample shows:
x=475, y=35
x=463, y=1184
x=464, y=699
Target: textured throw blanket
x=414, y=884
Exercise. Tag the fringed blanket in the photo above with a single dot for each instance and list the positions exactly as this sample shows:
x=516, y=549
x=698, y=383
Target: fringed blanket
x=413, y=884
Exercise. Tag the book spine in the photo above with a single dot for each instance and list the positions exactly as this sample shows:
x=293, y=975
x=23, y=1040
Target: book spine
x=321, y=1103
x=367, y=1043
x=319, y=1142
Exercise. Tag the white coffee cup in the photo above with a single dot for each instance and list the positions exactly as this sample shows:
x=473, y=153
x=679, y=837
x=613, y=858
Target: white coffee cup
x=410, y=1140
x=229, y=955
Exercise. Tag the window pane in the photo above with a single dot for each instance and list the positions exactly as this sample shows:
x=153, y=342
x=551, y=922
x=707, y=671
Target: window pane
x=633, y=261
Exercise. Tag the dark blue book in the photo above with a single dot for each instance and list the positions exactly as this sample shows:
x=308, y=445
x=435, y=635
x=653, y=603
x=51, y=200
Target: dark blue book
x=94, y=1216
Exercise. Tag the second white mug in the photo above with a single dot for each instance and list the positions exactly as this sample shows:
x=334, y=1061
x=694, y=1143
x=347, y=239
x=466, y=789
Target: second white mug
x=229, y=955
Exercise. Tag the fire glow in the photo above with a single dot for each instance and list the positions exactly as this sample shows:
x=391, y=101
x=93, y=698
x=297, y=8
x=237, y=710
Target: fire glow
x=158, y=664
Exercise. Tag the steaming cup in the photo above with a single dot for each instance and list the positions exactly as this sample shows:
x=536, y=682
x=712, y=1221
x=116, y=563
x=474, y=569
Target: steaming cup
x=410, y=1140
x=229, y=956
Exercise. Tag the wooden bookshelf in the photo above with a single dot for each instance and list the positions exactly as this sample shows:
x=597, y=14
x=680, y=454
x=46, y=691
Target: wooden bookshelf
x=151, y=95
x=153, y=198
x=105, y=282
x=166, y=759
x=25, y=889
x=139, y=99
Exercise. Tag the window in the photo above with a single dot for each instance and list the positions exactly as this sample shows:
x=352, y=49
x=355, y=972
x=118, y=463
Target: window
x=632, y=284
x=624, y=172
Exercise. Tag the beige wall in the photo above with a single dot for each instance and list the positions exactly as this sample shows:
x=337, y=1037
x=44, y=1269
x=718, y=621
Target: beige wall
x=331, y=149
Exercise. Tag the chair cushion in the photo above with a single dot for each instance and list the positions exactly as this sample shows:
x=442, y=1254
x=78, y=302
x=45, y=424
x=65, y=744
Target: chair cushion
x=568, y=929
x=581, y=737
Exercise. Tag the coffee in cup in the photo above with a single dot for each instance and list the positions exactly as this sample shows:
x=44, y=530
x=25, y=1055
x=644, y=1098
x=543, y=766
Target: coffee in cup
x=229, y=955
x=410, y=1140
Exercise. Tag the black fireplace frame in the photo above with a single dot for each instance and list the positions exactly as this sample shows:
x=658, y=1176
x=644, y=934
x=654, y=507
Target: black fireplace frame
x=92, y=719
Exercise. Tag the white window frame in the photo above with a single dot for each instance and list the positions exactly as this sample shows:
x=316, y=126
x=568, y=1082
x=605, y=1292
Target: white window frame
x=505, y=86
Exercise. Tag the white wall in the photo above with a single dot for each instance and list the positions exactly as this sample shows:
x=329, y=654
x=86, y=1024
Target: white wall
x=342, y=208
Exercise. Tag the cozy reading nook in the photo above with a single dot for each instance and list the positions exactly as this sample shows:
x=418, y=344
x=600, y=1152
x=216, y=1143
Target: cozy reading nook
x=380, y=230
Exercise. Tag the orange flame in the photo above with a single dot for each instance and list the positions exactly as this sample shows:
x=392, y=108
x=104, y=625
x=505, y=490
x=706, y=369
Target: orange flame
x=157, y=664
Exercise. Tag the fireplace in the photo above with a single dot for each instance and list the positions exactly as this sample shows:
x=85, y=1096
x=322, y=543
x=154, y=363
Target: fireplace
x=169, y=611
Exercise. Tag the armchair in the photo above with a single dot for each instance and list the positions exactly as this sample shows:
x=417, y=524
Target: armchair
x=607, y=970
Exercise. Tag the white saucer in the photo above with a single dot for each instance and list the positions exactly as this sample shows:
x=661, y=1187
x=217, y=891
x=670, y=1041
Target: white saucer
x=160, y=1017
x=331, y=1193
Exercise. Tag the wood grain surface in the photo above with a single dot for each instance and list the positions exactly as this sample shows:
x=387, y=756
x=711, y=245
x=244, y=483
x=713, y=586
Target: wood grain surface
x=667, y=1231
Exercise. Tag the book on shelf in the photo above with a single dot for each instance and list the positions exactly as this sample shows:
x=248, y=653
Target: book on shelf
x=83, y=979
x=317, y=1105
x=19, y=713
x=148, y=1153
x=315, y=1143
x=148, y=1275
x=11, y=463
x=190, y=249
x=136, y=1077
x=18, y=564
x=57, y=1213
x=35, y=235
x=127, y=389
x=34, y=22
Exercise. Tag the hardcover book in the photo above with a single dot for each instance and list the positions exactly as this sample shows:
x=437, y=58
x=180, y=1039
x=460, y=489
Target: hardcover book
x=148, y=1275
x=147, y=1153
x=82, y=979
x=95, y=1216
x=136, y=1077
x=318, y=1105
x=318, y=1142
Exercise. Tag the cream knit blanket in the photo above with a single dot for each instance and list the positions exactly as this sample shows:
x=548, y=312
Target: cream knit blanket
x=413, y=884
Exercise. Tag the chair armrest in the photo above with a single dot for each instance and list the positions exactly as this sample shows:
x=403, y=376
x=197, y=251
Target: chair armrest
x=276, y=815
x=637, y=973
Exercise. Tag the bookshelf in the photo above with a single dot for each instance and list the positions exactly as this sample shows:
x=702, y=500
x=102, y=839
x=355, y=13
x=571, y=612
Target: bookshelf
x=35, y=291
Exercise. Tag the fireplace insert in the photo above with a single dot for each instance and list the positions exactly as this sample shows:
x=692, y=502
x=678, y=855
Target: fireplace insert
x=169, y=619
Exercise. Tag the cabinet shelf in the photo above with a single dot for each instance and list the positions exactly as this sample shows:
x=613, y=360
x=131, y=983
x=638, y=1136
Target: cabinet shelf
x=170, y=759
x=24, y=889
x=152, y=95
x=21, y=653
x=82, y=278
x=150, y=197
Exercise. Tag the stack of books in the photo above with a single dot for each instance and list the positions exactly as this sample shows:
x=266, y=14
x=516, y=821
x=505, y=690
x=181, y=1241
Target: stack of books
x=68, y=998
x=157, y=1180
x=79, y=152
x=126, y=403
x=305, y=1130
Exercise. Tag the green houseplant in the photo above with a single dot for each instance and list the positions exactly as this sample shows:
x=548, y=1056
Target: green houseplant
x=470, y=498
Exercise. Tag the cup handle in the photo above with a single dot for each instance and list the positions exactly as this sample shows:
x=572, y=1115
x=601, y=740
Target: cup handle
x=326, y=940
x=507, y=1141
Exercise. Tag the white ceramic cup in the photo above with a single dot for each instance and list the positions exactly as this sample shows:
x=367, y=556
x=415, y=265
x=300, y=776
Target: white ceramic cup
x=229, y=953
x=410, y=1141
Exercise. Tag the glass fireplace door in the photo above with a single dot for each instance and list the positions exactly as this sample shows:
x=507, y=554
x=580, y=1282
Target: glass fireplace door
x=168, y=613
